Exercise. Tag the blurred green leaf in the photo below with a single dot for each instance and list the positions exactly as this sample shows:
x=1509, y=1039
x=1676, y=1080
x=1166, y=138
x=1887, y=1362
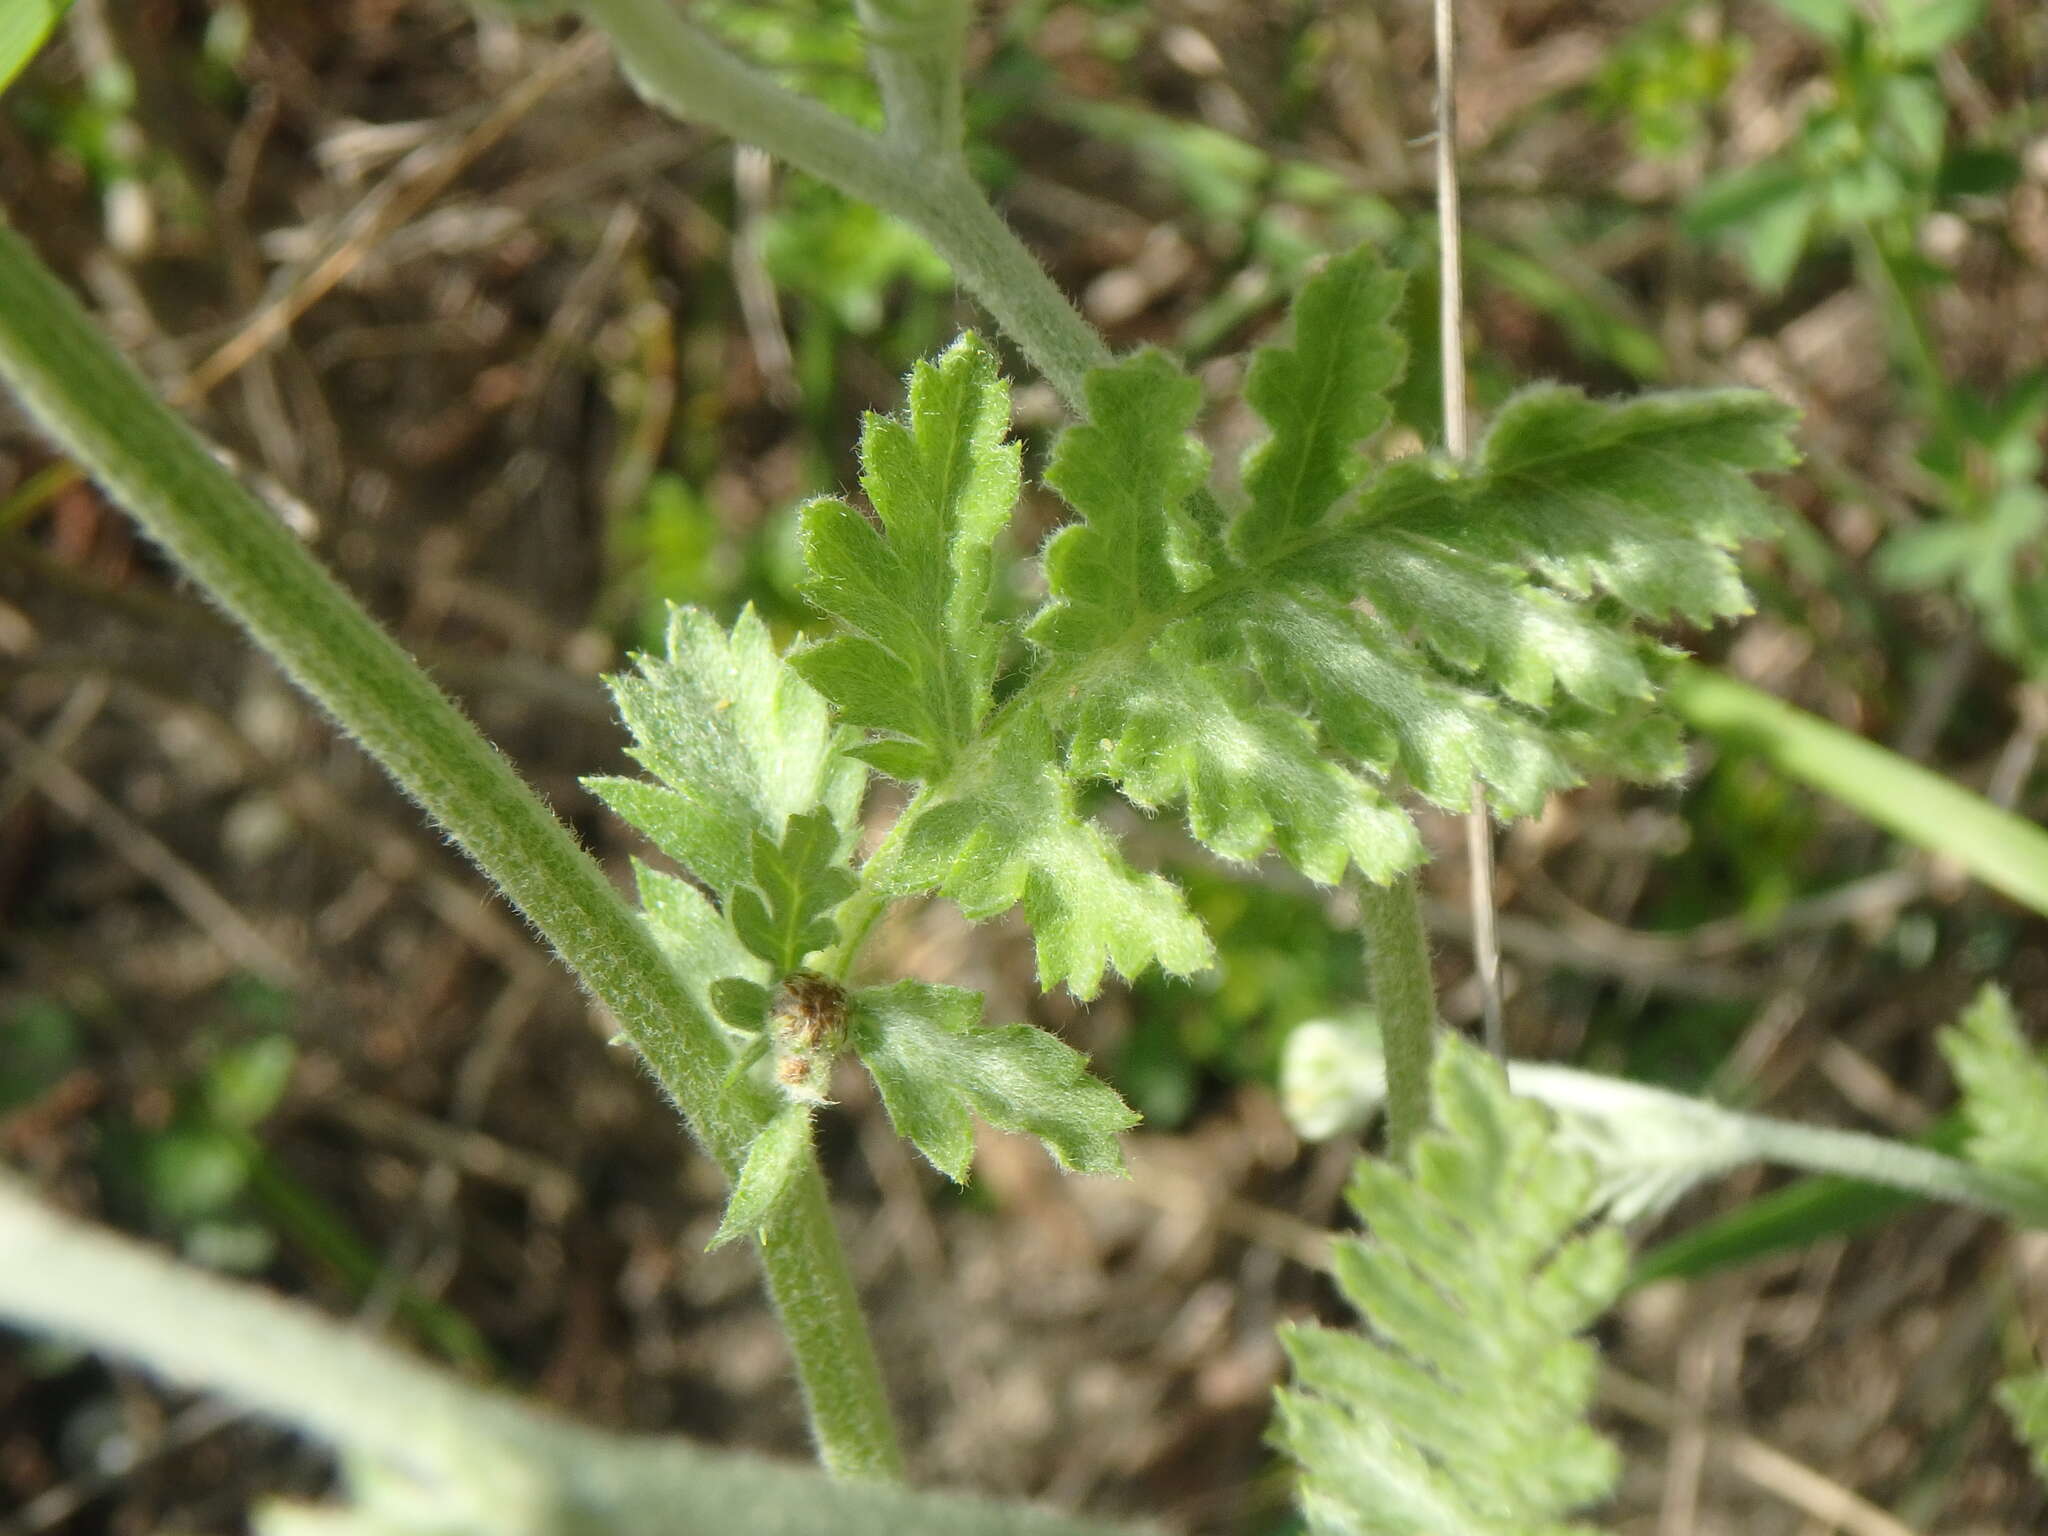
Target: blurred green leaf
x=1831, y=19
x=1919, y=29
x=25, y=25
x=191, y=1172
x=39, y=1043
x=244, y=1083
x=2006, y=852
x=2005, y=1088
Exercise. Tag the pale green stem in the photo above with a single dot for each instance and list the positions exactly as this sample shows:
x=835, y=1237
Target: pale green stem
x=1404, y=997
x=104, y=416
x=678, y=68
x=487, y=1462
x=914, y=54
x=1726, y=1138
x=2008, y=853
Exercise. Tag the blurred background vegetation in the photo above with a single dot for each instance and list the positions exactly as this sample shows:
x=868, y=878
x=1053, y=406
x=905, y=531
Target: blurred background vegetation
x=526, y=362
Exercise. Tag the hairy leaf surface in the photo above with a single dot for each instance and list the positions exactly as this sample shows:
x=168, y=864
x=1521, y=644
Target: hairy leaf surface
x=1460, y=1407
x=739, y=743
x=1284, y=673
x=1012, y=833
x=937, y=1066
x=918, y=655
x=786, y=912
x=773, y=1162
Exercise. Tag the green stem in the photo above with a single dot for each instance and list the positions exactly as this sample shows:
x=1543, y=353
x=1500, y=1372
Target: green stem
x=104, y=416
x=482, y=1460
x=1404, y=996
x=2007, y=852
x=914, y=51
x=684, y=72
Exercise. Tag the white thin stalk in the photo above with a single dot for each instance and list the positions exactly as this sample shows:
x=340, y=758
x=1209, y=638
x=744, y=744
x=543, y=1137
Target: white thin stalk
x=1458, y=444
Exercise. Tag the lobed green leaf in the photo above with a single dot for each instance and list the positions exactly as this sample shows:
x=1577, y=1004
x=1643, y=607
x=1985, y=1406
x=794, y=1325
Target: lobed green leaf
x=1012, y=833
x=937, y=1065
x=786, y=912
x=918, y=654
x=1460, y=1409
x=739, y=742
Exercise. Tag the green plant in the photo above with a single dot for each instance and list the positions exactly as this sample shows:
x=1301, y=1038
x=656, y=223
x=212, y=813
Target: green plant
x=1285, y=667
x=1871, y=162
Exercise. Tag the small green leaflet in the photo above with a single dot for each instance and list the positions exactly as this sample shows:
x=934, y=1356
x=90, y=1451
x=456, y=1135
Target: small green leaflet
x=696, y=940
x=937, y=1065
x=2005, y=1088
x=775, y=1158
x=918, y=655
x=739, y=742
x=1460, y=1407
x=786, y=912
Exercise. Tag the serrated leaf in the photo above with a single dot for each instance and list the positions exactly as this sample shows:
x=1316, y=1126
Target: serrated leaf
x=739, y=742
x=1460, y=1407
x=797, y=885
x=1127, y=470
x=1321, y=399
x=692, y=936
x=1251, y=775
x=2005, y=1088
x=937, y=1066
x=1644, y=500
x=919, y=653
x=1427, y=625
x=772, y=1164
x=1013, y=832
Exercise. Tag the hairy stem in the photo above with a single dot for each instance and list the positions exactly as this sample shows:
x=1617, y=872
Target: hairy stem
x=914, y=54
x=678, y=68
x=480, y=1455
x=104, y=416
x=1404, y=996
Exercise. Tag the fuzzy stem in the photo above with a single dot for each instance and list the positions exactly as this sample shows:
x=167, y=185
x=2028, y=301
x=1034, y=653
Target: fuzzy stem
x=1404, y=996
x=1727, y=1138
x=104, y=416
x=484, y=1459
x=679, y=69
x=914, y=54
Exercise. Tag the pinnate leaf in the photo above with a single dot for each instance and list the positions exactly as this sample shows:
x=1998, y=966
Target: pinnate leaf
x=1128, y=469
x=1349, y=634
x=739, y=743
x=937, y=1066
x=786, y=912
x=1460, y=1408
x=917, y=655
